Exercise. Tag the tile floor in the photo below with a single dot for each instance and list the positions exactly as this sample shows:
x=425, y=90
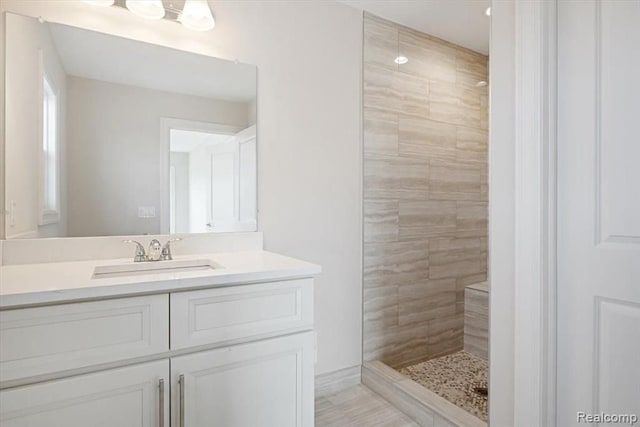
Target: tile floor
x=358, y=407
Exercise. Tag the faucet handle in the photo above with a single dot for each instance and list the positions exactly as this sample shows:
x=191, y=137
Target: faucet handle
x=166, y=249
x=140, y=253
x=155, y=250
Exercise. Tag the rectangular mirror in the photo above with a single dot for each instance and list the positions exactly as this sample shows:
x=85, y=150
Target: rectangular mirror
x=109, y=136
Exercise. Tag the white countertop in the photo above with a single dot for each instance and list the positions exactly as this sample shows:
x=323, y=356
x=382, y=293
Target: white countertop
x=57, y=282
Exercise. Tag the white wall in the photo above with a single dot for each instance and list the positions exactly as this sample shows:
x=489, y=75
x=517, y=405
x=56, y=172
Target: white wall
x=114, y=151
x=23, y=140
x=309, y=56
x=180, y=163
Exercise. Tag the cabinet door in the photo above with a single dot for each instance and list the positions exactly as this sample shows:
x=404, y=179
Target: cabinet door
x=124, y=397
x=267, y=383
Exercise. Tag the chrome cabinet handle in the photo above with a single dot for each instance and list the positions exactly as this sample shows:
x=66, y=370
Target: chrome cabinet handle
x=181, y=404
x=161, y=400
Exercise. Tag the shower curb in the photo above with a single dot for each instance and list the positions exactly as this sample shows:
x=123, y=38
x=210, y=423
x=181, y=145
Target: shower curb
x=421, y=404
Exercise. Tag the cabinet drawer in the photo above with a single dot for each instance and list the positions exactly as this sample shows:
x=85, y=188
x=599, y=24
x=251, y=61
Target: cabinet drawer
x=124, y=397
x=231, y=313
x=44, y=340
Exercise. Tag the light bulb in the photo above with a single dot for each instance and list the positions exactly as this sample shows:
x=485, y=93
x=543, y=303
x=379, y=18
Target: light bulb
x=101, y=3
x=149, y=9
x=197, y=16
x=488, y=11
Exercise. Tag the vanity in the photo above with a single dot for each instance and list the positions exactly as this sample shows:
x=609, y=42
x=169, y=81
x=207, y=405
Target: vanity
x=230, y=345
x=114, y=147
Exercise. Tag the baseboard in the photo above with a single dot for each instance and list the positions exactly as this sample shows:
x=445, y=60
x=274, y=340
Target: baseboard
x=333, y=382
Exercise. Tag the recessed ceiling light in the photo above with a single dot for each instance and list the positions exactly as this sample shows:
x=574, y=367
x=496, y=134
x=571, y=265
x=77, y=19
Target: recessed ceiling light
x=401, y=60
x=488, y=11
x=481, y=84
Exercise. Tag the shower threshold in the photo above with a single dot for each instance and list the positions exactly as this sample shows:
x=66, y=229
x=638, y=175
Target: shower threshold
x=423, y=405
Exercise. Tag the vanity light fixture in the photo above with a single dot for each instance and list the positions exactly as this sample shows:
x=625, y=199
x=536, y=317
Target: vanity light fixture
x=101, y=3
x=488, y=11
x=401, y=60
x=197, y=16
x=149, y=9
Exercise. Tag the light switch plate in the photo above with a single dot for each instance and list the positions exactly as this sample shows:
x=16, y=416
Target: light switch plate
x=146, y=211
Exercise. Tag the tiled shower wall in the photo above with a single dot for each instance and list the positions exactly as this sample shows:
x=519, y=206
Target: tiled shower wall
x=425, y=190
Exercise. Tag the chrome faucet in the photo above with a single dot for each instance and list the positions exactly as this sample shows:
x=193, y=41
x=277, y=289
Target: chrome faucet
x=166, y=249
x=140, y=255
x=156, y=251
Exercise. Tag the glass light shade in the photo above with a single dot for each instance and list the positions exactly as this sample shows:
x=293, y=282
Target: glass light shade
x=197, y=16
x=102, y=3
x=149, y=9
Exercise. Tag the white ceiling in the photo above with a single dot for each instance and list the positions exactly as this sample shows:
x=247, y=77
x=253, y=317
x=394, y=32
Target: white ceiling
x=105, y=57
x=462, y=22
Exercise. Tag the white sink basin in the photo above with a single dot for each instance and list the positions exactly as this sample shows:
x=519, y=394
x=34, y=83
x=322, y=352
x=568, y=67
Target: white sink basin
x=152, y=267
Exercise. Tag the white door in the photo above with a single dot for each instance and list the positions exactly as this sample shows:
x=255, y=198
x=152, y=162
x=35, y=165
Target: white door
x=223, y=207
x=262, y=384
x=598, y=209
x=124, y=397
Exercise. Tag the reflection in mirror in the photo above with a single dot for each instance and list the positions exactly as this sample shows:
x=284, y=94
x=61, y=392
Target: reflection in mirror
x=110, y=136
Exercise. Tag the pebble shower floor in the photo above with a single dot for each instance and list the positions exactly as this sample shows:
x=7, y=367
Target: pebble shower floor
x=461, y=378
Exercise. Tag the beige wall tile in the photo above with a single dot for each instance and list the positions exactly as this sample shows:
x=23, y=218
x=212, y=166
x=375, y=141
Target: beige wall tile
x=381, y=307
x=380, y=92
x=398, y=178
x=471, y=68
x=476, y=322
x=471, y=144
x=428, y=218
x=381, y=220
x=463, y=281
x=471, y=219
x=454, y=104
x=425, y=190
x=426, y=138
x=446, y=335
x=422, y=301
x=414, y=94
x=394, y=263
x=454, y=181
x=454, y=257
x=380, y=131
x=484, y=113
x=428, y=58
x=381, y=42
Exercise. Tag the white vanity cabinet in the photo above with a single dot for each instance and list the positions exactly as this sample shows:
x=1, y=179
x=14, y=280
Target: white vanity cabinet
x=266, y=383
x=133, y=396
x=228, y=356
